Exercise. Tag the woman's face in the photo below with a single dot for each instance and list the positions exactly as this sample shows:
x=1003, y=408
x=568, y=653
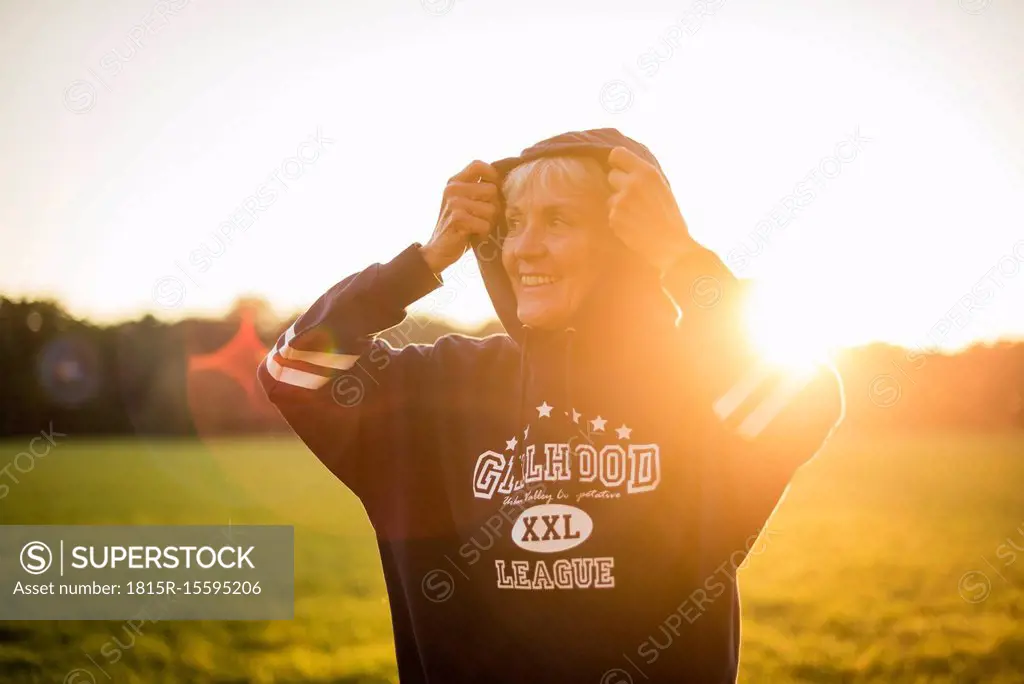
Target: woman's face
x=558, y=245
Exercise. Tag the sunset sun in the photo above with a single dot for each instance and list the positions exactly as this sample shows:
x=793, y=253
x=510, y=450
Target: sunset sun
x=788, y=325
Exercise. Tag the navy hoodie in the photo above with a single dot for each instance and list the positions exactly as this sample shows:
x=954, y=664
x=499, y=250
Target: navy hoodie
x=556, y=506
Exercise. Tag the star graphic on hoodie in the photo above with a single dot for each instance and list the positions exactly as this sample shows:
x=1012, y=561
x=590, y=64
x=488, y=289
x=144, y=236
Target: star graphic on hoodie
x=598, y=424
x=576, y=415
x=526, y=432
x=623, y=432
x=544, y=411
x=510, y=445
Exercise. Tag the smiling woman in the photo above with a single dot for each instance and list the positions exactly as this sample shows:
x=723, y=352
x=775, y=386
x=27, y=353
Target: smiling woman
x=558, y=242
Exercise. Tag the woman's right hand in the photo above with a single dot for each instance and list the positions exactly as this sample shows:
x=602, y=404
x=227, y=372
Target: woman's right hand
x=469, y=206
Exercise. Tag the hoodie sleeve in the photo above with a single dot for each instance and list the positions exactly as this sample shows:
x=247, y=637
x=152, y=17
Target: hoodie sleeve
x=336, y=384
x=775, y=419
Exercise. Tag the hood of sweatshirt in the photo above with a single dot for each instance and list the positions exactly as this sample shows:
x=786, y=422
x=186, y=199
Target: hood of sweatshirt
x=631, y=292
x=619, y=336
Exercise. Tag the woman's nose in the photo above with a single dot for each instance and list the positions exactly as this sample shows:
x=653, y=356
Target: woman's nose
x=531, y=241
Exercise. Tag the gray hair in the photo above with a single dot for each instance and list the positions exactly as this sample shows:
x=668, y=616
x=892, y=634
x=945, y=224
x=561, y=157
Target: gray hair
x=584, y=173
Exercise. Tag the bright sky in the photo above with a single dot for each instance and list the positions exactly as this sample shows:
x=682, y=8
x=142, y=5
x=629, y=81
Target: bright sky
x=890, y=129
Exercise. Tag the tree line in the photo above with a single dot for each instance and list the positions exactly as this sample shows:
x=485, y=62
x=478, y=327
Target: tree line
x=198, y=376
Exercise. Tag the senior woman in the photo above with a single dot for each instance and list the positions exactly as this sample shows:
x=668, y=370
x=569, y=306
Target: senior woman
x=569, y=501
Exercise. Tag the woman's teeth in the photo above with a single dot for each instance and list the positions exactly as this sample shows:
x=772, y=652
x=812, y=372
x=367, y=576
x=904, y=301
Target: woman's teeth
x=535, y=280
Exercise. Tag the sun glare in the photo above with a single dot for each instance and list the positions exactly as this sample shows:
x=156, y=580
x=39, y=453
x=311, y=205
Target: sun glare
x=784, y=330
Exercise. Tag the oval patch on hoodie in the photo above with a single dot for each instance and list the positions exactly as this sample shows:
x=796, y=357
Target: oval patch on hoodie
x=550, y=528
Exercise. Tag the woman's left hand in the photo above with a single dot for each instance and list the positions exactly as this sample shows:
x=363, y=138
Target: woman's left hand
x=642, y=212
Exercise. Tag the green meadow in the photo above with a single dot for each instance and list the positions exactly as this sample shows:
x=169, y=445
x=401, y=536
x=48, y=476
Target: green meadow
x=891, y=560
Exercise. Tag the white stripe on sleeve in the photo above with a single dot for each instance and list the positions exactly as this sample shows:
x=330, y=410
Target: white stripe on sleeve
x=322, y=359
x=727, y=404
x=758, y=419
x=293, y=376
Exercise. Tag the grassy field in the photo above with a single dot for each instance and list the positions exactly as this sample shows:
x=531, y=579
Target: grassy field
x=862, y=579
